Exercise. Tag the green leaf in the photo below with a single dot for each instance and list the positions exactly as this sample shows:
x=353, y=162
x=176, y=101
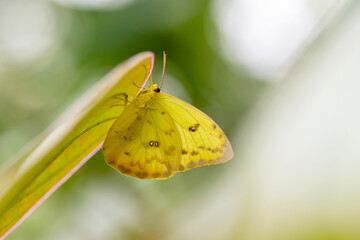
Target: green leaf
x=73, y=139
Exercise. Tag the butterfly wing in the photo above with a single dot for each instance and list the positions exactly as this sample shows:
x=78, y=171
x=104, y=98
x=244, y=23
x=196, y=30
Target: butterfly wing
x=144, y=143
x=203, y=141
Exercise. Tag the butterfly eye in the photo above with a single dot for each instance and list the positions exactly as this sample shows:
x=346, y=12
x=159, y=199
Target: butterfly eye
x=156, y=89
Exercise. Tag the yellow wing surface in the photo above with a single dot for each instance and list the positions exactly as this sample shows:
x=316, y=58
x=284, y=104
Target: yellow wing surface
x=143, y=143
x=162, y=137
x=202, y=140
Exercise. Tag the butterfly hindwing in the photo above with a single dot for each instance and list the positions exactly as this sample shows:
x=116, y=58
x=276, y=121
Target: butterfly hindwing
x=202, y=140
x=144, y=143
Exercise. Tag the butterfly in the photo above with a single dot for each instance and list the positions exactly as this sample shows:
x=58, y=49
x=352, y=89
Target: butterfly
x=158, y=135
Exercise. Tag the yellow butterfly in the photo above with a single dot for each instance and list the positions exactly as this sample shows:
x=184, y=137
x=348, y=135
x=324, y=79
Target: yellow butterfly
x=158, y=135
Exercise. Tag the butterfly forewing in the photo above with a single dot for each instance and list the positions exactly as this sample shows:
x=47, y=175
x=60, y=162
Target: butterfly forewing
x=202, y=140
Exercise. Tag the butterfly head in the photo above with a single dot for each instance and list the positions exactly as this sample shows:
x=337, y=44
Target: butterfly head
x=151, y=90
x=155, y=88
x=146, y=95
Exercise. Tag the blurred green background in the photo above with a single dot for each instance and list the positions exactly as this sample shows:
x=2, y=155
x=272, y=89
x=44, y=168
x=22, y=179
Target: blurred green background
x=70, y=48
x=77, y=45
x=224, y=57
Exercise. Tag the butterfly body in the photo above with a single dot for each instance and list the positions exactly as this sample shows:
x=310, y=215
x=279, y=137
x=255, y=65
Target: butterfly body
x=146, y=95
x=158, y=135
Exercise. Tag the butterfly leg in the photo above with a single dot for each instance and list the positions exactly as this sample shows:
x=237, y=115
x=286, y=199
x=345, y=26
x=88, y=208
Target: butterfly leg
x=123, y=97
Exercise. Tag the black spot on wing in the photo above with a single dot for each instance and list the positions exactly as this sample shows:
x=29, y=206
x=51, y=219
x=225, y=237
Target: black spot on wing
x=194, y=128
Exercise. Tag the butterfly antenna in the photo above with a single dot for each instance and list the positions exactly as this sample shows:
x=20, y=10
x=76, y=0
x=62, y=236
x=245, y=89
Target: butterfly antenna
x=163, y=72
